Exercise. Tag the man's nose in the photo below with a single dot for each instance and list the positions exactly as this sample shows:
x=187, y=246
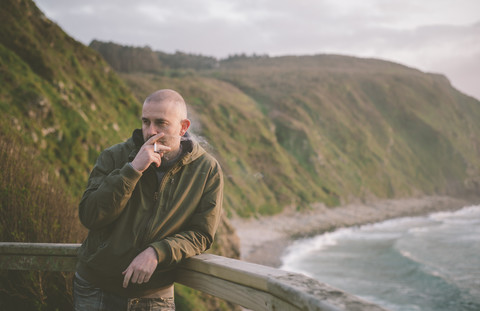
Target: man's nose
x=152, y=129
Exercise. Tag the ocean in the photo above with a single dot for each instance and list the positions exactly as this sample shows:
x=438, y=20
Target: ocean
x=428, y=263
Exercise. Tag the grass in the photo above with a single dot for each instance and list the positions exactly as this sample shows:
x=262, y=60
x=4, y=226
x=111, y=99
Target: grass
x=34, y=207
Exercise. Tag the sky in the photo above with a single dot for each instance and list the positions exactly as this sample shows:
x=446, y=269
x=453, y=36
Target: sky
x=439, y=36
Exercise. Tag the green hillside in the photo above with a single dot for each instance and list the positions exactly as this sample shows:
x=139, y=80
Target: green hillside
x=288, y=130
x=59, y=96
x=61, y=105
x=300, y=129
x=365, y=127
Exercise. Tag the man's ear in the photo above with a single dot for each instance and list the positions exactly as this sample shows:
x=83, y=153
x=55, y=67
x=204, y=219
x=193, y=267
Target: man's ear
x=185, y=125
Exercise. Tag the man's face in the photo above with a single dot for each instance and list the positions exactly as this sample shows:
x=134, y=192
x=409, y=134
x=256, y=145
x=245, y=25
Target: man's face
x=163, y=117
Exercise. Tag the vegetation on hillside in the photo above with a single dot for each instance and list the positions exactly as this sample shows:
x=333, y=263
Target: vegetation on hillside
x=364, y=127
x=142, y=59
x=62, y=104
x=60, y=95
x=300, y=129
x=34, y=207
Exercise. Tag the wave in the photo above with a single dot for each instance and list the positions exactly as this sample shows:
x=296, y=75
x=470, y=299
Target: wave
x=304, y=247
x=428, y=261
x=385, y=230
x=468, y=213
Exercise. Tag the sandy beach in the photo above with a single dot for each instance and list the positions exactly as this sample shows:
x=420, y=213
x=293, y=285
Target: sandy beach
x=265, y=239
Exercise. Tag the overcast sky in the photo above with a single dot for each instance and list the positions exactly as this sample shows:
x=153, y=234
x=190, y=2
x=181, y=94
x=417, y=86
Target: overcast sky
x=441, y=36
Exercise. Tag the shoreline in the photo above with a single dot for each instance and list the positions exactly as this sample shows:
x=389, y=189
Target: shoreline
x=265, y=239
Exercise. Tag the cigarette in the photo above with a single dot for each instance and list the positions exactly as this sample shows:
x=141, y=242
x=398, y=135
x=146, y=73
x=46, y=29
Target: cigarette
x=154, y=147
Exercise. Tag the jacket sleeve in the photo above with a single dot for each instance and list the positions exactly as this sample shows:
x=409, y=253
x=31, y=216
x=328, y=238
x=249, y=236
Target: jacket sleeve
x=198, y=234
x=108, y=191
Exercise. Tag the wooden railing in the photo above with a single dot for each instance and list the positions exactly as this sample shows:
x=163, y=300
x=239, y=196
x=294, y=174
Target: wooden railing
x=250, y=285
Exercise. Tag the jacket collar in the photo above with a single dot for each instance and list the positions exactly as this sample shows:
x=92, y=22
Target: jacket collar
x=190, y=146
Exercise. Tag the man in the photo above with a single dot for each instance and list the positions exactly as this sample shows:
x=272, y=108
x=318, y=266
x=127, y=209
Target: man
x=150, y=202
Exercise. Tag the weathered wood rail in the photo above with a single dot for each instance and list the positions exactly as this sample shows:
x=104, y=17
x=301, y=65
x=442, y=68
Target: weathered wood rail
x=250, y=285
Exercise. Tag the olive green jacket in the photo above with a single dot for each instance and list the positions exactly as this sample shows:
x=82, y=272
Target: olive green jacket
x=127, y=211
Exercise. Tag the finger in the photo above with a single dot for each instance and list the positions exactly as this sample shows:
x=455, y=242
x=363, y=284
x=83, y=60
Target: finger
x=147, y=278
x=135, y=277
x=138, y=277
x=157, y=160
x=143, y=279
x=159, y=148
x=126, y=279
x=154, y=138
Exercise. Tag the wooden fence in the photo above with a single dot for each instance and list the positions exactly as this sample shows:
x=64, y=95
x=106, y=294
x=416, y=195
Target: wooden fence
x=252, y=286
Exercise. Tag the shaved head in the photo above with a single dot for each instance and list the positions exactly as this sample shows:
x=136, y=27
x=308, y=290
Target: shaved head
x=170, y=96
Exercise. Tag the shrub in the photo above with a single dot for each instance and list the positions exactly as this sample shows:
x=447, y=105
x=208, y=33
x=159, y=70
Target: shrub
x=34, y=207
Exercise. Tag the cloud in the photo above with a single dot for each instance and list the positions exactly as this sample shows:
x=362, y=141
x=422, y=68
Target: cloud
x=432, y=35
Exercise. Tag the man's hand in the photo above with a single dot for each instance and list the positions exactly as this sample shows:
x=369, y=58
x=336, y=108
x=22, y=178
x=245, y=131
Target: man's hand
x=147, y=155
x=141, y=268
